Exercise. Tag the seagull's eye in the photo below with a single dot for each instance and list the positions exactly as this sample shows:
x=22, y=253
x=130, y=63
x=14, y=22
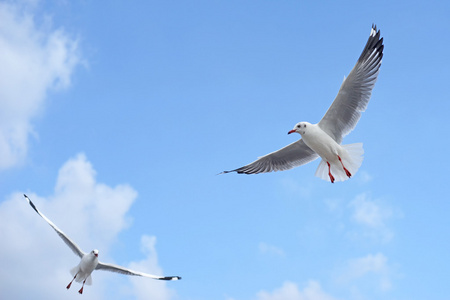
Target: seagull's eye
x=298, y=126
x=304, y=125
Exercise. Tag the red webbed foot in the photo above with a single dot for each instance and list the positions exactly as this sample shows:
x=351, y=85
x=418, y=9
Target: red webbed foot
x=347, y=172
x=329, y=173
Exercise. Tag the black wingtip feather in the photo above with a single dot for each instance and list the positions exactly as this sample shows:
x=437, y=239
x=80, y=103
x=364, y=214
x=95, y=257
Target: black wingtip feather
x=375, y=42
x=239, y=171
x=171, y=278
x=31, y=203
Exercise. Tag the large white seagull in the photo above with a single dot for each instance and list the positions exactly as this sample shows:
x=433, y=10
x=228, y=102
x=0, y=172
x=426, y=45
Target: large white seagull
x=339, y=162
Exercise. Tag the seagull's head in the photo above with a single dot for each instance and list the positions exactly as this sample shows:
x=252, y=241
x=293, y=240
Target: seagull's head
x=95, y=252
x=300, y=127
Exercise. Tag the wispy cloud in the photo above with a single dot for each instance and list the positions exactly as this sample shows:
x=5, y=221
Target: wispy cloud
x=290, y=291
x=363, y=217
x=34, y=60
x=368, y=212
x=372, y=267
x=265, y=248
x=91, y=213
x=373, y=215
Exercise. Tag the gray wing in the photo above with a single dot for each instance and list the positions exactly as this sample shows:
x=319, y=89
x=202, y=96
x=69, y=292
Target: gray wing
x=122, y=270
x=61, y=234
x=355, y=91
x=293, y=155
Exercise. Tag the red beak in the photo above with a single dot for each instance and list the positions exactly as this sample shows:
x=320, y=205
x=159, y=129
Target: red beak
x=96, y=255
x=292, y=131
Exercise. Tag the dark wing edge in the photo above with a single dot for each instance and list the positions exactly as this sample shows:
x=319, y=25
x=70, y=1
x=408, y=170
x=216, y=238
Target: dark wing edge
x=356, y=90
x=291, y=156
x=125, y=271
x=61, y=234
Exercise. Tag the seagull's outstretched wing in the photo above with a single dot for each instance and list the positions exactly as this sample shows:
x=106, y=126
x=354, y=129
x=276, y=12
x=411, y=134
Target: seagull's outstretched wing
x=355, y=91
x=64, y=237
x=293, y=155
x=122, y=270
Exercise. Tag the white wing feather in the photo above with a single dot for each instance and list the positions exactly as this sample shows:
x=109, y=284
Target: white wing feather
x=122, y=270
x=61, y=234
x=293, y=155
x=354, y=94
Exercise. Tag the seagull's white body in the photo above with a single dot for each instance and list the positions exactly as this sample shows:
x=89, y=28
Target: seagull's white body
x=331, y=152
x=89, y=261
x=339, y=162
x=319, y=141
x=84, y=269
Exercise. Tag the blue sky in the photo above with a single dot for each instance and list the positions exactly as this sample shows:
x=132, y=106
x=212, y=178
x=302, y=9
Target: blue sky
x=116, y=118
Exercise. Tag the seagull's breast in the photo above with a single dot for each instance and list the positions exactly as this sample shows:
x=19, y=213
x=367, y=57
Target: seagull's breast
x=319, y=141
x=88, y=263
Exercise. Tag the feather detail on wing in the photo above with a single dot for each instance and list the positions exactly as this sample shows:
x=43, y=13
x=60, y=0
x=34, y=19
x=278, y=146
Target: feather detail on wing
x=125, y=271
x=355, y=91
x=61, y=234
x=293, y=155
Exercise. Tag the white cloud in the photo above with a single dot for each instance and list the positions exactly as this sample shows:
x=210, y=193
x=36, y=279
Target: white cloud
x=142, y=288
x=290, y=291
x=372, y=267
x=369, y=218
x=34, y=60
x=265, y=248
x=36, y=262
x=373, y=215
x=368, y=212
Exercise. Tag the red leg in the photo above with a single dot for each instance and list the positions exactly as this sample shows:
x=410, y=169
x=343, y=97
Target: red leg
x=81, y=290
x=329, y=173
x=345, y=169
x=70, y=283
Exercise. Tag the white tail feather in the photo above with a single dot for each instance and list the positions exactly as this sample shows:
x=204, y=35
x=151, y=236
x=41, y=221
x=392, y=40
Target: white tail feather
x=74, y=270
x=80, y=275
x=322, y=171
x=355, y=157
x=352, y=157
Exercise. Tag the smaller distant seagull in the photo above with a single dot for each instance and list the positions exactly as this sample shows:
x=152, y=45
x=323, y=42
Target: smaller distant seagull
x=89, y=261
x=339, y=162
